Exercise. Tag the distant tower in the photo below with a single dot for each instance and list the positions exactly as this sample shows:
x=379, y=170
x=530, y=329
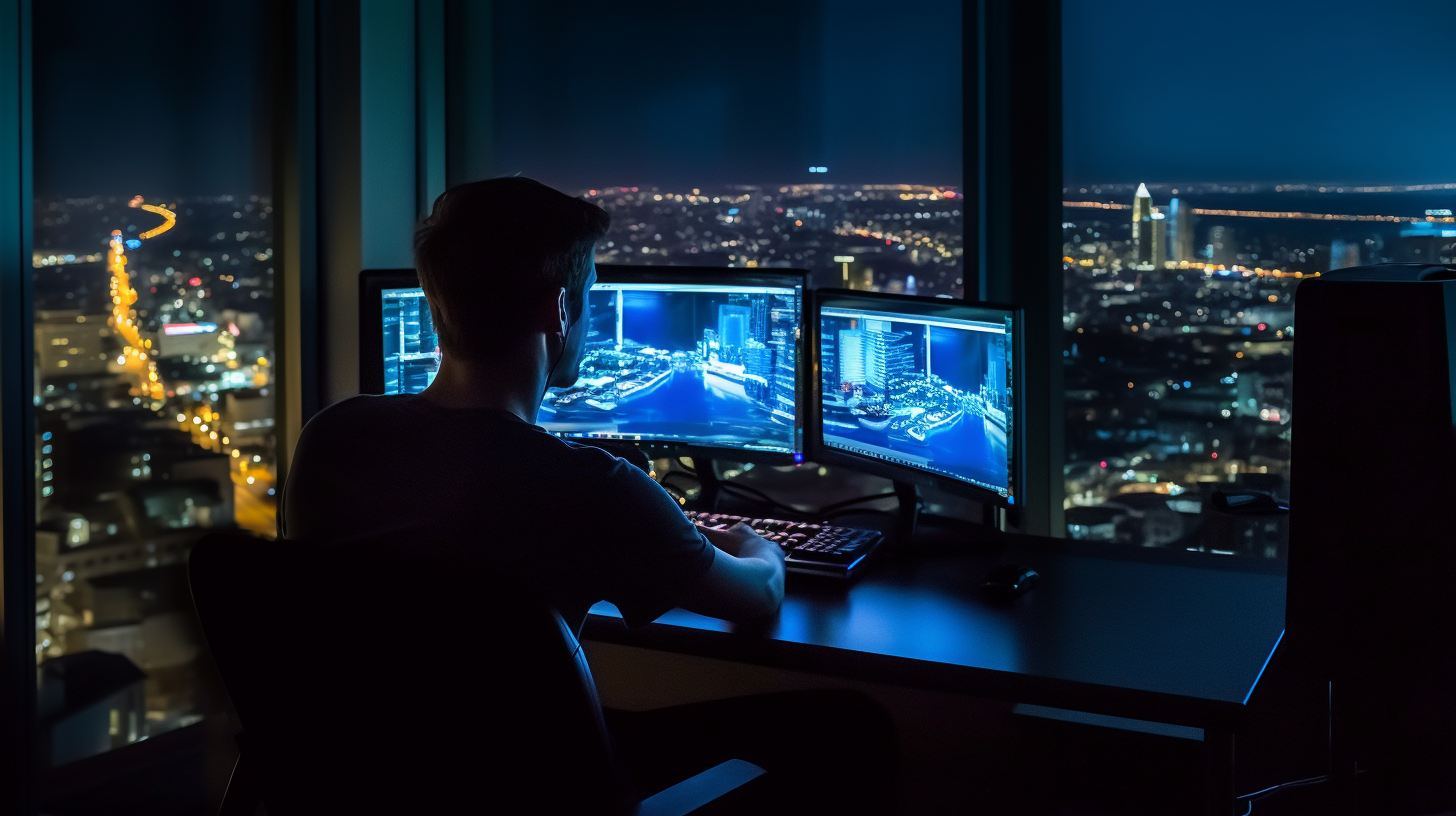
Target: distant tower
x=1142, y=225
x=1344, y=254
x=1180, y=231
x=1160, y=238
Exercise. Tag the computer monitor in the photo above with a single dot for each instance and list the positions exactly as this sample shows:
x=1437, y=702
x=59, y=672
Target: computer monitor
x=692, y=359
x=677, y=358
x=918, y=390
x=398, y=351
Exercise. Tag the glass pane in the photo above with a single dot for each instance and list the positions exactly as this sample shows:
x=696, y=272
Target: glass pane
x=1199, y=190
x=153, y=331
x=762, y=137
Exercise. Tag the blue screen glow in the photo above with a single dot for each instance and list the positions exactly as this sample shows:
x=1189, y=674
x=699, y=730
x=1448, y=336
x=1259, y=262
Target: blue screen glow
x=708, y=365
x=926, y=392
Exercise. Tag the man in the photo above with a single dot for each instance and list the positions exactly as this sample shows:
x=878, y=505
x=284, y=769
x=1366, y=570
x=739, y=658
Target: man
x=462, y=472
x=461, y=475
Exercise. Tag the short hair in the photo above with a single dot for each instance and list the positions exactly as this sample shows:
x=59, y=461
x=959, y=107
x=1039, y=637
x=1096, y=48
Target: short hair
x=490, y=248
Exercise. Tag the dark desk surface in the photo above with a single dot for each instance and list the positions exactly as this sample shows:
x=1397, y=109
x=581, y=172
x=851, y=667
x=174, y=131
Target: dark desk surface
x=1170, y=637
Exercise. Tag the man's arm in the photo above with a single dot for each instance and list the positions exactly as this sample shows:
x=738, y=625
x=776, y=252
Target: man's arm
x=746, y=581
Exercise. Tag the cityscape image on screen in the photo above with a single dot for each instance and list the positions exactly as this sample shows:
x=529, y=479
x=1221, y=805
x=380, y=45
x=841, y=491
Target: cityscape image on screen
x=933, y=393
x=697, y=364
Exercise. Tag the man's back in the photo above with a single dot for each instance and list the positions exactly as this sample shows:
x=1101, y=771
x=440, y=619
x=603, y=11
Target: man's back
x=481, y=489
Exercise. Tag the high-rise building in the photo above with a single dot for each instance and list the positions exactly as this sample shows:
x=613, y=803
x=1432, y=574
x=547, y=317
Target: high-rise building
x=1160, y=238
x=1180, y=231
x=733, y=325
x=758, y=369
x=1142, y=225
x=829, y=365
x=758, y=326
x=1344, y=254
x=889, y=356
x=852, y=356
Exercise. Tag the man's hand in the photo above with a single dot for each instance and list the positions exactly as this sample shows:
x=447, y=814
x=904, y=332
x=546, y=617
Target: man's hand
x=739, y=537
x=746, y=581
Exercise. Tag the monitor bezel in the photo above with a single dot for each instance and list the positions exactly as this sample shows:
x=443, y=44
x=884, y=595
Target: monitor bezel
x=824, y=454
x=728, y=275
x=372, y=283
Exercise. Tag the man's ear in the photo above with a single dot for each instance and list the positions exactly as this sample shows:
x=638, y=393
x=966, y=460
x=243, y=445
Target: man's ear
x=562, y=319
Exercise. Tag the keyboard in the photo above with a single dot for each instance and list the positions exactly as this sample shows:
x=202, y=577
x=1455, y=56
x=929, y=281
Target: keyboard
x=814, y=549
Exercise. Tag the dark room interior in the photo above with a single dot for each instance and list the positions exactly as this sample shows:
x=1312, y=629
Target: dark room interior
x=786, y=406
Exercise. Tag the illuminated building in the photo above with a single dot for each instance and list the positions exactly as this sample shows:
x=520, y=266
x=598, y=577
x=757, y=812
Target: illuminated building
x=1344, y=254
x=759, y=368
x=829, y=366
x=733, y=324
x=1142, y=225
x=891, y=355
x=1180, y=231
x=852, y=356
x=758, y=326
x=1159, y=229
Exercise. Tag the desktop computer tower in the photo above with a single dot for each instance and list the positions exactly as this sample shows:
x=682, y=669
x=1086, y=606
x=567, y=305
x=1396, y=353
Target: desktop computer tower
x=1372, y=528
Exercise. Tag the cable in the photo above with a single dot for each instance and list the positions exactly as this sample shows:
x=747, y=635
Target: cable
x=1273, y=789
x=829, y=508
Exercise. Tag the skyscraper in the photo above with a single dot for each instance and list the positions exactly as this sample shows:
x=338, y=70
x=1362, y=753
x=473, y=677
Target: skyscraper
x=1180, y=231
x=759, y=369
x=1142, y=225
x=890, y=355
x=852, y=356
x=829, y=365
x=733, y=325
x=1160, y=238
x=758, y=326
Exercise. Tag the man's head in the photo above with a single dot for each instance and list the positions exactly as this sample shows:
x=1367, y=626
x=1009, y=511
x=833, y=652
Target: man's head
x=504, y=259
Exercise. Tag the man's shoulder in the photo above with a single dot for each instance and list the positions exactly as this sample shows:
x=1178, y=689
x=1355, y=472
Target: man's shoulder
x=362, y=408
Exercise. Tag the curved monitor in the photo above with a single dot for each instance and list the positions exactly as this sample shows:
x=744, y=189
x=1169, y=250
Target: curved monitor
x=690, y=358
x=918, y=389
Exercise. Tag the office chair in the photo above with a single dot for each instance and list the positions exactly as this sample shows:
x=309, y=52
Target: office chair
x=365, y=683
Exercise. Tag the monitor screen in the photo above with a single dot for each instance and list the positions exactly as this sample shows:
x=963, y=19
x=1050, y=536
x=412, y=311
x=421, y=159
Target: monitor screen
x=411, y=350
x=688, y=357
x=921, y=385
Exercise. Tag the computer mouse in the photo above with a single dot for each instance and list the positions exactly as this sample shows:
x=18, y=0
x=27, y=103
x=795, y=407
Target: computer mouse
x=1009, y=580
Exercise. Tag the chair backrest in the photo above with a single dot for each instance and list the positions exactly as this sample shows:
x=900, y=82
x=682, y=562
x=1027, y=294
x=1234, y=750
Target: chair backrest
x=369, y=683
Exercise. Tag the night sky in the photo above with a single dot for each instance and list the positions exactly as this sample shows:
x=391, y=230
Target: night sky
x=163, y=97
x=156, y=97
x=754, y=91
x=1259, y=90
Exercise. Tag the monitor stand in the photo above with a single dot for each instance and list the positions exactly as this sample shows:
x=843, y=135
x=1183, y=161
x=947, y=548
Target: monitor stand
x=909, y=498
x=709, y=485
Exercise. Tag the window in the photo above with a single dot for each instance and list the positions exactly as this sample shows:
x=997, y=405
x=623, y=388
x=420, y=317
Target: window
x=1200, y=189
x=804, y=134
x=153, y=322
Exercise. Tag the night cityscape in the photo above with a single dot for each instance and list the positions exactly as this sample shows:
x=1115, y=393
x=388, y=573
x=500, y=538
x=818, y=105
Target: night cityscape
x=704, y=364
x=1179, y=326
x=153, y=337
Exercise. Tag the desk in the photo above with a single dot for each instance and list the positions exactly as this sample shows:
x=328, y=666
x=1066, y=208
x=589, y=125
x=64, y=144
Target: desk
x=1167, y=637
